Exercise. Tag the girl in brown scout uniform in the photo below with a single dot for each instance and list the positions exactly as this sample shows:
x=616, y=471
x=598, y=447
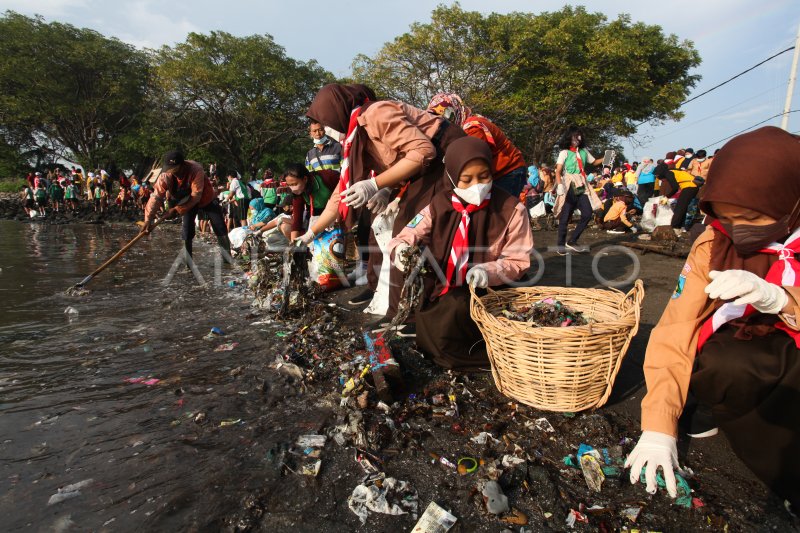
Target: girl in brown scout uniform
x=729, y=335
x=474, y=225
x=388, y=146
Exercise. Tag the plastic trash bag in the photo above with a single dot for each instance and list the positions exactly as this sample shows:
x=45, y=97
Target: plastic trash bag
x=539, y=210
x=382, y=227
x=657, y=212
x=237, y=236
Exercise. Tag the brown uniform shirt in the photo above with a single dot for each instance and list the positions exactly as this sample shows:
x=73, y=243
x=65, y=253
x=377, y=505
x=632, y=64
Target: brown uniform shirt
x=673, y=342
x=166, y=184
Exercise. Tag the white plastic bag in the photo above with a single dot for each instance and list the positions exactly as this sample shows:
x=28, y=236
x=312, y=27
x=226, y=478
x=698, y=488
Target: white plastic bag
x=657, y=212
x=237, y=236
x=382, y=227
x=539, y=210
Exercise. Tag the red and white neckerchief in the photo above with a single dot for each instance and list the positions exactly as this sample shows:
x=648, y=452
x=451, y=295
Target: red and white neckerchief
x=472, y=122
x=459, y=253
x=577, y=153
x=784, y=272
x=344, y=172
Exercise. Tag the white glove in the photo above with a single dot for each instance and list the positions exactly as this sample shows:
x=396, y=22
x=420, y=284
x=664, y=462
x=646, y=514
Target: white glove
x=747, y=288
x=399, y=250
x=478, y=277
x=560, y=190
x=393, y=208
x=359, y=193
x=307, y=237
x=379, y=202
x=654, y=449
x=634, y=229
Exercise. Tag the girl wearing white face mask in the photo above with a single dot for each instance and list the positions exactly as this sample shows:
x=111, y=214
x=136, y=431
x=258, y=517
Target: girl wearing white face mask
x=477, y=235
x=310, y=194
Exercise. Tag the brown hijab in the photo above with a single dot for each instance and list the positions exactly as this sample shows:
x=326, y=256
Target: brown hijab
x=759, y=170
x=332, y=107
x=462, y=151
x=334, y=102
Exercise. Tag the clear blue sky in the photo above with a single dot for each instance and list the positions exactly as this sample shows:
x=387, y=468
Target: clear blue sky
x=731, y=35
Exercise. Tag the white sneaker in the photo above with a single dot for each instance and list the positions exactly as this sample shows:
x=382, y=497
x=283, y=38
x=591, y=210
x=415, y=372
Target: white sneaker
x=705, y=434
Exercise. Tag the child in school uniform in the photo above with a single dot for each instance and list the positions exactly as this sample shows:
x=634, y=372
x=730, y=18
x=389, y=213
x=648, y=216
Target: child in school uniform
x=477, y=234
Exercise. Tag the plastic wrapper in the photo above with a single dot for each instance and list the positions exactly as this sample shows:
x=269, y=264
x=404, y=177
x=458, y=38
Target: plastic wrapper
x=328, y=259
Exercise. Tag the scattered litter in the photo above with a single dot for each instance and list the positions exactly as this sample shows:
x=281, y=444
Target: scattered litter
x=142, y=380
x=592, y=472
x=227, y=347
x=483, y=437
x=515, y=517
x=542, y=424
x=391, y=497
x=575, y=516
x=311, y=469
x=631, y=513
x=684, y=498
x=313, y=441
x=229, y=422
x=70, y=491
x=71, y=313
x=496, y=502
x=434, y=520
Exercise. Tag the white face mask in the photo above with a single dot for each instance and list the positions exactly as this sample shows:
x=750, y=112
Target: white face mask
x=297, y=190
x=474, y=194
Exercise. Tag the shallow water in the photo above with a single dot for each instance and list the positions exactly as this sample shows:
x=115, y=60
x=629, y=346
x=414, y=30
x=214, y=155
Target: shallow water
x=68, y=415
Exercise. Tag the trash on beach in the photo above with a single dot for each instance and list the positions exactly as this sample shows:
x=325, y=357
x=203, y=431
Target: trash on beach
x=227, y=347
x=69, y=491
x=684, y=498
x=592, y=472
x=393, y=497
x=434, y=520
x=631, y=513
x=230, y=422
x=496, y=502
x=313, y=441
x=542, y=424
x=142, y=381
x=575, y=516
x=483, y=437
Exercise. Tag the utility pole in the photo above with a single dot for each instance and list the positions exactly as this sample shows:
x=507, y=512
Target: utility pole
x=792, y=78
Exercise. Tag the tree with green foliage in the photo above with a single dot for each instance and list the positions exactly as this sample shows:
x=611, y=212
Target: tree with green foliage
x=67, y=92
x=535, y=74
x=241, y=99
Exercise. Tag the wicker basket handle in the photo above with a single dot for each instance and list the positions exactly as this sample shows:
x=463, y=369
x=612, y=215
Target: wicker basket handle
x=635, y=295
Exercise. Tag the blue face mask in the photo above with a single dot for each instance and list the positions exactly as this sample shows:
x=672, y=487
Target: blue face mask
x=321, y=142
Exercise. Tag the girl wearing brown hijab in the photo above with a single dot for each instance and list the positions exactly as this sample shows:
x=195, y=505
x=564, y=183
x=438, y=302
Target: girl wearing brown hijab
x=729, y=335
x=475, y=234
x=389, y=147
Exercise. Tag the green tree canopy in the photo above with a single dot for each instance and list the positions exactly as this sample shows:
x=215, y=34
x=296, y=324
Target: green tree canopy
x=66, y=91
x=241, y=99
x=536, y=74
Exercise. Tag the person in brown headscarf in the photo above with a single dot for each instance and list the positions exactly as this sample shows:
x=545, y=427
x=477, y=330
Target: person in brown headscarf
x=390, y=150
x=476, y=234
x=729, y=337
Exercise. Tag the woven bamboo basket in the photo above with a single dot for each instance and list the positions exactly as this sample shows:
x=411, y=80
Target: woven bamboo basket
x=565, y=369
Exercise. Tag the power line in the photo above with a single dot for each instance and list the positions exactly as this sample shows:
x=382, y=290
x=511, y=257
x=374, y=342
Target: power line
x=733, y=78
x=749, y=128
x=726, y=81
x=716, y=113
